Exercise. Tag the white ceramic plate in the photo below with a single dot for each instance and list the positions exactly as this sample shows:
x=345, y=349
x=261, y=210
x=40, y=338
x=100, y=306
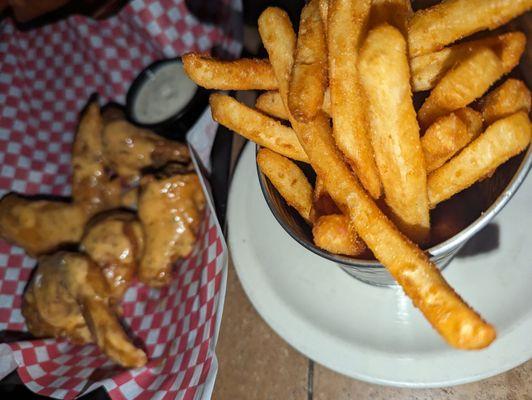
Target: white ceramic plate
x=374, y=334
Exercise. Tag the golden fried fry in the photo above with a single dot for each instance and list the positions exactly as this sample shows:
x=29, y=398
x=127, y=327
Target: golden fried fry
x=384, y=73
x=448, y=135
x=510, y=97
x=41, y=226
x=433, y=28
x=331, y=233
x=243, y=74
x=256, y=127
x=308, y=79
x=469, y=80
x=428, y=69
x=347, y=21
x=91, y=184
x=459, y=325
x=289, y=181
x=502, y=140
x=272, y=104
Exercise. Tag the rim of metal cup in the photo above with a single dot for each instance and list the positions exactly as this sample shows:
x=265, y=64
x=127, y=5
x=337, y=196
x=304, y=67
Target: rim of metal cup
x=434, y=251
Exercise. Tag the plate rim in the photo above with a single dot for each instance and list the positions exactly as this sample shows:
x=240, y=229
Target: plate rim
x=315, y=353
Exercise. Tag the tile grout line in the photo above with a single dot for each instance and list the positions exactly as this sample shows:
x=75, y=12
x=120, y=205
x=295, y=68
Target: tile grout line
x=310, y=380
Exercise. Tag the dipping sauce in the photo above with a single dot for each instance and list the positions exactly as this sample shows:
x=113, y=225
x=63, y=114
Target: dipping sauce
x=164, y=92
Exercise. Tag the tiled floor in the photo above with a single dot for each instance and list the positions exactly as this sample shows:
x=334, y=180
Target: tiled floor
x=255, y=363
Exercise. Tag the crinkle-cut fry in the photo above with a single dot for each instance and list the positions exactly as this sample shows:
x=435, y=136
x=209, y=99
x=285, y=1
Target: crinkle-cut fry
x=289, y=181
x=255, y=126
x=385, y=77
x=308, y=79
x=346, y=25
x=459, y=325
x=502, y=140
x=469, y=80
x=510, y=97
x=272, y=104
x=242, y=74
x=331, y=233
x=448, y=135
x=435, y=27
x=394, y=12
x=428, y=69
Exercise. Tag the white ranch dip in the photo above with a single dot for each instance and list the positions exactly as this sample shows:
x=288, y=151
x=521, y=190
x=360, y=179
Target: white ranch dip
x=164, y=93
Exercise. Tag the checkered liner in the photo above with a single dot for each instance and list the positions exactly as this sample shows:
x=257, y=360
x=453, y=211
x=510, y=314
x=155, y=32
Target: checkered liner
x=46, y=76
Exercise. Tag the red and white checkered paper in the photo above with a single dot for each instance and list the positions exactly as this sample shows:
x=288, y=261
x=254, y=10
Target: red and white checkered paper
x=46, y=76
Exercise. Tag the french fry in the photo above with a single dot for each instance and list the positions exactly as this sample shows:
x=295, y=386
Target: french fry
x=243, y=74
x=346, y=25
x=469, y=80
x=502, y=140
x=394, y=12
x=510, y=97
x=458, y=324
x=385, y=77
x=256, y=127
x=272, y=104
x=331, y=233
x=433, y=28
x=428, y=69
x=308, y=79
x=289, y=181
x=448, y=135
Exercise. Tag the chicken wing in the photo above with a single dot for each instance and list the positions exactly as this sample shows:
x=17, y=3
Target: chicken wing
x=68, y=297
x=129, y=149
x=40, y=226
x=114, y=241
x=170, y=210
x=92, y=183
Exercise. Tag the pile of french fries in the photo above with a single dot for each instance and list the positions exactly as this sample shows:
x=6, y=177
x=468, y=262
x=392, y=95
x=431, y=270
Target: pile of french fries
x=338, y=95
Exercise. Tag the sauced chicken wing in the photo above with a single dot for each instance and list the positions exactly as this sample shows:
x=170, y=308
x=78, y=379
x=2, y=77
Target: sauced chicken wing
x=170, y=210
x=68, y=297
x=129, y=149
x=114, y=241
x=40, y=226
x=92, y=184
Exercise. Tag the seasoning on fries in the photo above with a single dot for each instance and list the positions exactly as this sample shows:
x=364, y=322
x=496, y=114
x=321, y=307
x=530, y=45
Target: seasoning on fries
x=256, y=127
x=512, y=96
x=440, y=25
x=331, y=233
x=502, y=140
x=288, y=179
x=308, y=80
x=394, y=132
x=361, y=134
x=244, y=74
x=469, y=80
x=448, y=135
